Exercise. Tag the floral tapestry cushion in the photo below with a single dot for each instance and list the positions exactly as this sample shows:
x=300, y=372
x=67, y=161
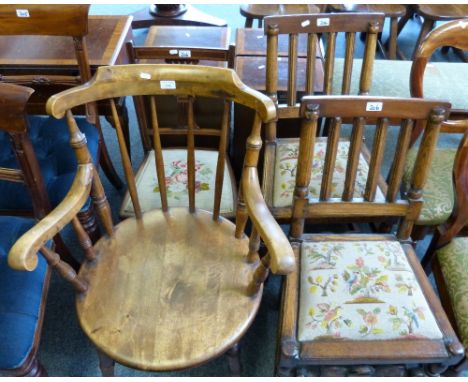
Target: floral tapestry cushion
x=453, y=259
x=175, y=167
x=287, y=152
x=438, y=194
x=361, y=290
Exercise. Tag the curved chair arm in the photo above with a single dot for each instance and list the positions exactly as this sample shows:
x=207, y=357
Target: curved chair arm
x=23, y=254
x=279, y=248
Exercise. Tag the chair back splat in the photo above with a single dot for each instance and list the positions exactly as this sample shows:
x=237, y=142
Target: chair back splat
x=182, y=262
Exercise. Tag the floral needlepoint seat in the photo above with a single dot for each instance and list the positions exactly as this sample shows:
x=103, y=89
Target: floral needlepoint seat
x=363, y=290
x=286, y=165
x=175, y=166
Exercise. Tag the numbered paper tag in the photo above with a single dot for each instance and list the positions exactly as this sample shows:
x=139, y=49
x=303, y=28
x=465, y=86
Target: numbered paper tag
x=168, y=84
x=22, y=13
x=323, y=22
x=374, y=106
x=305, y=23
x=145, y=76
x=173, y=51
x=185, y=54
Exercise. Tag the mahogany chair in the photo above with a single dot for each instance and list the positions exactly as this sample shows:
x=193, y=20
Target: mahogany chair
x=22, y=294
x=278, y=182
x=360, y=304
x=447, y=256
x=174, y=287
x=439, y=200
x=211, y=124
x=49, y=20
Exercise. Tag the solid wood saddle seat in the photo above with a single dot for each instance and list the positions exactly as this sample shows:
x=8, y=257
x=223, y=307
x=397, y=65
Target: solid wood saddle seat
x=169, y=292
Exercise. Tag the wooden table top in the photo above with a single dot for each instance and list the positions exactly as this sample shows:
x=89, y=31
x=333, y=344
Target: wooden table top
x=206, y=37
x=106, y=39
x=253, y=41
x=262, y=10
x=443, y=11
x=252, y=71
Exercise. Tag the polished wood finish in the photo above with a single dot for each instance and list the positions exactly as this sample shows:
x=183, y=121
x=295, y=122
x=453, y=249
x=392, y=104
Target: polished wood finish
x=178, y=262
x=37, y=52
x=258, y=12
x=437, y=12
x=391, y=11
x=353, y=357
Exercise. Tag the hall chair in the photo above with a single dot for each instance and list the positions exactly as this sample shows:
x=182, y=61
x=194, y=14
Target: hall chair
x=447, y=256
x=209, y=116
x=281, y=144
x=360, y=304
x=49, y=20
x=22, y=294
x=174, y=287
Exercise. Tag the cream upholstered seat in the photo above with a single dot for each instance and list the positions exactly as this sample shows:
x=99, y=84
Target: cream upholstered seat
x=175, y=166
x=363, y=290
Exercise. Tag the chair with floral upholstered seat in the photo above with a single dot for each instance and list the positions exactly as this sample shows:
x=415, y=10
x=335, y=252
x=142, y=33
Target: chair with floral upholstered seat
x=360, y=303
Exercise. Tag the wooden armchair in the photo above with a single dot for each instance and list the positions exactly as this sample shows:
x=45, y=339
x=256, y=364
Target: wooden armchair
x=361, y=304
x=49, y=20
x=212, y=129
x=278, y=179
x=22, y=295
x=170, y=288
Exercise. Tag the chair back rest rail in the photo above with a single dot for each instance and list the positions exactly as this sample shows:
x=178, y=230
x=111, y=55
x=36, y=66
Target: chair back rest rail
x=359, y=110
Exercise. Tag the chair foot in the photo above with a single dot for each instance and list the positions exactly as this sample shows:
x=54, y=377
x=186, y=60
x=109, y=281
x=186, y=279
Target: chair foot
x=35, y=369
x=106, y=364
x=234, y=361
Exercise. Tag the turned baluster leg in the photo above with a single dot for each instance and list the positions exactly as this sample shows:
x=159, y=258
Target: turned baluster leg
x=106, y=364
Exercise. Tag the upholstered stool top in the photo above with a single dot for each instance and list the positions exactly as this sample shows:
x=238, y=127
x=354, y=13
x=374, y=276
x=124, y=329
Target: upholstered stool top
x=361, y=290
x=287, y=152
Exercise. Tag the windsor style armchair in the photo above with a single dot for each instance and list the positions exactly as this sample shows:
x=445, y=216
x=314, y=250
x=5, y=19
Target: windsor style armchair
x=174, y=287
x=278, y=180
x=212, y=121
x=361, y=304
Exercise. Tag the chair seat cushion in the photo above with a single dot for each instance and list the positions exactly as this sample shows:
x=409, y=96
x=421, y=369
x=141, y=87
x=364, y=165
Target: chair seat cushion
x=361, y=290
x=287, y=152
x=453, y=259
x=438, y=194
x=168, y=291
x=442, y=80
x=50, y=140
x=21, y=297
x=175, y=167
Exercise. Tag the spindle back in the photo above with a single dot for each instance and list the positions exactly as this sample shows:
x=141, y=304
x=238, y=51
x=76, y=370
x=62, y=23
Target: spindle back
x=365, y=194
x=180, y=81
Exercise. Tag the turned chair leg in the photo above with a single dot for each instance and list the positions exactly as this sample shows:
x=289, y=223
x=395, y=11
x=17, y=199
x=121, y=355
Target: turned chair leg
x=35, y=369
x=234, y=361
x=106, y=364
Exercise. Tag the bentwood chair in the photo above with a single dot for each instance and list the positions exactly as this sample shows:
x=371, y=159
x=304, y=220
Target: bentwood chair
x=451, y=83
x=210, y=119
x=69, y=21
x=175, y=287
x=360, y=304
x=447, y=256
x=278, y=180
x=22, y=294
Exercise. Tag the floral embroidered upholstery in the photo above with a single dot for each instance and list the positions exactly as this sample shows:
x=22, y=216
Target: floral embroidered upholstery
x=453, y=259
x=175, y=167
x=287, y=152
x=361, y=290
x=438, y=192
